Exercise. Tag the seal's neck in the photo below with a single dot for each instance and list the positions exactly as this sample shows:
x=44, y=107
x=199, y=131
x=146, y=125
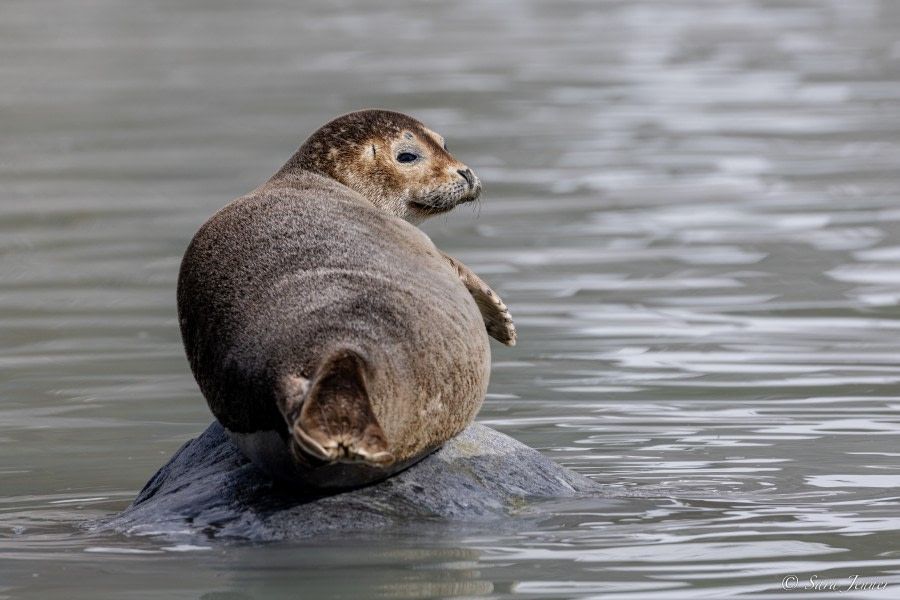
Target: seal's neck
x=304, y=160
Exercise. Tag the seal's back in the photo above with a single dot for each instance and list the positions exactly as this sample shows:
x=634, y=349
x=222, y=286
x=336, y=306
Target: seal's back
x=302, y=301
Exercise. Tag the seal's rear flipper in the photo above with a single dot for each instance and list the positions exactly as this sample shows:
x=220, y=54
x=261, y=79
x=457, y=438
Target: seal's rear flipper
x=331, y=417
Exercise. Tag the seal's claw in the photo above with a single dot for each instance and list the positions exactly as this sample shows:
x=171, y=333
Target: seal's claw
x=497, y=320
x=343, y=446
x=503, y=331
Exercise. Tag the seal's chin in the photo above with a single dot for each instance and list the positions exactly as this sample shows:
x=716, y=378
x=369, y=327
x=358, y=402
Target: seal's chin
x=428, y=210
x=437, y=204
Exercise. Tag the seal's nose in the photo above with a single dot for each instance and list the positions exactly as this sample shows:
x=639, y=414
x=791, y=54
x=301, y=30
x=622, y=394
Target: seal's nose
x=468, y=175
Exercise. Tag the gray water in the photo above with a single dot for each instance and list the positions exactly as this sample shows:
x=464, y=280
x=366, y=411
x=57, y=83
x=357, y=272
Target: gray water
x=692, y=208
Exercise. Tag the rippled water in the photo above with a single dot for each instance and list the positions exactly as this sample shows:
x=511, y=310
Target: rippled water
x=691, y=207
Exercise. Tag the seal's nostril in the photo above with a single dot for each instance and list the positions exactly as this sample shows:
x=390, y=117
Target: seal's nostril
x=468, y=176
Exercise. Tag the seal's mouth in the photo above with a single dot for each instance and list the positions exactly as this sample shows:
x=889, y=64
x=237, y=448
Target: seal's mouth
x=439, y=202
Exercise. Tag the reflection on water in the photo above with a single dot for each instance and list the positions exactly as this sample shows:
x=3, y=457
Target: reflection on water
x=691, y=208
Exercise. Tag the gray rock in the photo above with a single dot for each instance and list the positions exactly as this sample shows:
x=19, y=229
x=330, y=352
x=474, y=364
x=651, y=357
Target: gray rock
x=209, y=488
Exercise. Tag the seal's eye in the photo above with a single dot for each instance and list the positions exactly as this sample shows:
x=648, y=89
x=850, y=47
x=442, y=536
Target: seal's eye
x=407, y=157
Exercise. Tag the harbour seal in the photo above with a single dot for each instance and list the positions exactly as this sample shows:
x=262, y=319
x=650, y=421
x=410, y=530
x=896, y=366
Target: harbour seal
x=330, y=337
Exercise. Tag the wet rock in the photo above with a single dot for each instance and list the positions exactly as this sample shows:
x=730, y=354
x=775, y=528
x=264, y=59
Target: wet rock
x=209, y=488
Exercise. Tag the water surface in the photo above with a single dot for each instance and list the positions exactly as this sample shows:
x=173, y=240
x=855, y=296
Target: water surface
x=691, y=207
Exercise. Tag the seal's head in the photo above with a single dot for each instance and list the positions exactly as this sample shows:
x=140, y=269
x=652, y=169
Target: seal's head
x=393, y=160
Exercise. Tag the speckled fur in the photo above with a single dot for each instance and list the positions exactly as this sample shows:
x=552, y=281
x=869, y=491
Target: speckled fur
x=358, y=149
x=305, y=266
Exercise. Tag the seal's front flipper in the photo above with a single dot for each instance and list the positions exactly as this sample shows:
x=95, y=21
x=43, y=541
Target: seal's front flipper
x=330, y=417
x=496, y=317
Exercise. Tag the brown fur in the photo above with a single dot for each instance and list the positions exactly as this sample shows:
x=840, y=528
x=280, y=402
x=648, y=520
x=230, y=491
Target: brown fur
x=310, y=310
x=359, y=151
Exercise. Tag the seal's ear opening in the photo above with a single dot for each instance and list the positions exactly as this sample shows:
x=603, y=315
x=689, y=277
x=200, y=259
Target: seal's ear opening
x=333, y=421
